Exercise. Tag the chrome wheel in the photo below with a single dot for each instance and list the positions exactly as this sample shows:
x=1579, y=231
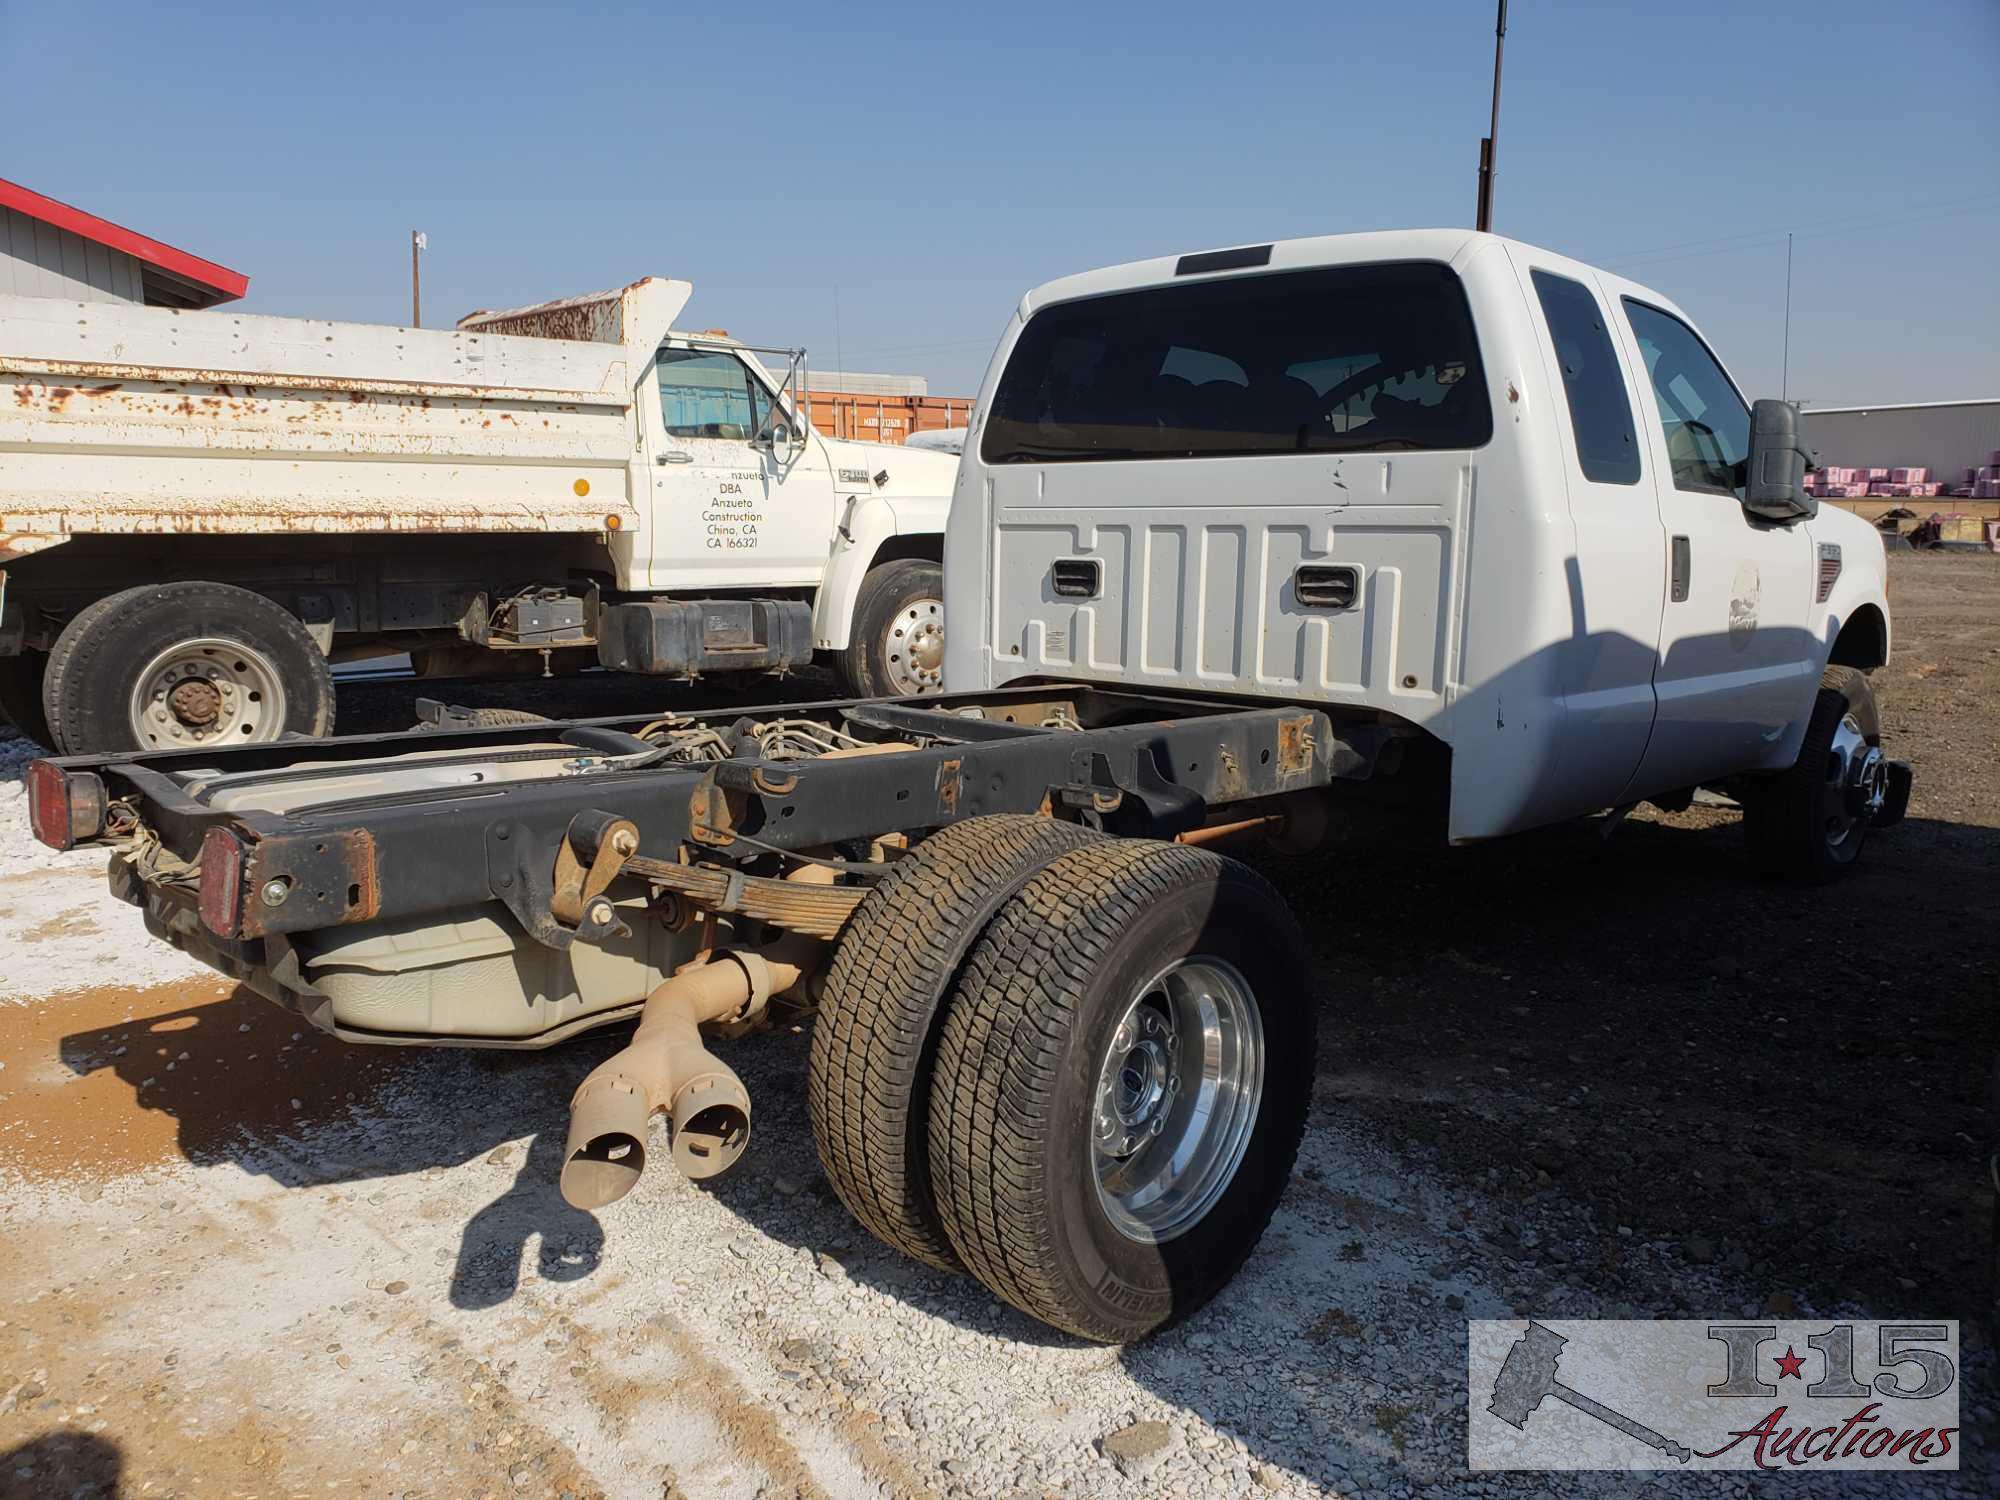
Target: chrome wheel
x=1176, y=1099
x=913, y=648
x=207, y=691
x=1855, y=784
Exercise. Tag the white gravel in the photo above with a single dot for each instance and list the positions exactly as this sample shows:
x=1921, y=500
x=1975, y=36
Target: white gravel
x=406, y=1283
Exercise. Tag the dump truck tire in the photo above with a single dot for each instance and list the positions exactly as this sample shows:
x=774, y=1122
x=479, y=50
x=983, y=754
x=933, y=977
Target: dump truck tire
x=868, y=1079
x=217, y=663
x=1803, y=825
x=21, y=695
x=896, y=644
x=1067, y=1038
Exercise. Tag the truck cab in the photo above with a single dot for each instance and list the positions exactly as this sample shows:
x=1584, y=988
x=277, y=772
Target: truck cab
x=1489, y=494
x=741, y=496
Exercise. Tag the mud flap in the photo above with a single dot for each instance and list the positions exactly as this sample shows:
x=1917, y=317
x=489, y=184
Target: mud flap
x=1897, y=801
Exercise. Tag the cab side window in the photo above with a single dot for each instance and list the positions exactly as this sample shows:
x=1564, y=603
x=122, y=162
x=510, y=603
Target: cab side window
x=1600, y=409
x=705, y=393
x=1706, y=422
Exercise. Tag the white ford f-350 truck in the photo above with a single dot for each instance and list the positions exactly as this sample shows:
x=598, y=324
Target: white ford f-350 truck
x=199, y=511
x=1432, y=528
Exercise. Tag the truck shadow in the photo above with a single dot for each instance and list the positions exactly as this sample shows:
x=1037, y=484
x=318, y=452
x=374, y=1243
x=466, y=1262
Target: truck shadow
x=1565, y=1077
x=251, y=1086
x=1560, y=1076
x=63, y=1462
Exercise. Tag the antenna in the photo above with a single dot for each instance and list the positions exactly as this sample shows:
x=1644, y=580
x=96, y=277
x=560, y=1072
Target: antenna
x=1489, y=148
x=1785, y=378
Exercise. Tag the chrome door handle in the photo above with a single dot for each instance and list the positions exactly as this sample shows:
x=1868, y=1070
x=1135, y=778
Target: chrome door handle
x=674, y=456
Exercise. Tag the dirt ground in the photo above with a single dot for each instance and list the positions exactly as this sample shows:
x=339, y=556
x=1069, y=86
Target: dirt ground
x=1567, y=1075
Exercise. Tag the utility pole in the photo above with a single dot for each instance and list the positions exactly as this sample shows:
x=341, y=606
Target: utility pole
x=1785, y=379
x=1489, y=148
x=418, y=243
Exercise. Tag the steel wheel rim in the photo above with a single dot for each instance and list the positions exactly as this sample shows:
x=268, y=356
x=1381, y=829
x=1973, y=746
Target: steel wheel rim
x=913, y=648
x=1854, y=785
x=207, y=691
x=1176, y=1098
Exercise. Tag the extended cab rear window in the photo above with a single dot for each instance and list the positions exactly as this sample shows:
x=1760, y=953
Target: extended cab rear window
x=1346, y=359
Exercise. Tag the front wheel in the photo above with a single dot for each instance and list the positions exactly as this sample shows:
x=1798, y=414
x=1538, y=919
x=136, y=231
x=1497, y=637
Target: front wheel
x=895, y=645
x=184, y=666
x=1120, y=1086
x=1807, y=823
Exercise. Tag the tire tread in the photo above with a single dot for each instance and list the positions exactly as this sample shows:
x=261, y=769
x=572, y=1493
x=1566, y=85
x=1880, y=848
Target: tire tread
x=999, y=1051
x=871, y=1045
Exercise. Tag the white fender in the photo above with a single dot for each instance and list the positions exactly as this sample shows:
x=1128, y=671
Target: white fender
x=866, y=522
x=1861, y=582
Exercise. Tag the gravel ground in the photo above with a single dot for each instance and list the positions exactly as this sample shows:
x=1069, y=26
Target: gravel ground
x=1563, y=1076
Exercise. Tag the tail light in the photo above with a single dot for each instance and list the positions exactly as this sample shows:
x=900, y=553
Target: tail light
x=222, y=859
x=64, y=807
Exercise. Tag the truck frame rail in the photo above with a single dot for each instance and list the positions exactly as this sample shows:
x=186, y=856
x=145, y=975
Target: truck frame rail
x=298, y=836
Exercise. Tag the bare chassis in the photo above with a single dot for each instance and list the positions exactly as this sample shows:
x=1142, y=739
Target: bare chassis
x=1142, y=765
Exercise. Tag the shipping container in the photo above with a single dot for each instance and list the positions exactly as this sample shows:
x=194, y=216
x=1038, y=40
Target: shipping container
x=885, y=418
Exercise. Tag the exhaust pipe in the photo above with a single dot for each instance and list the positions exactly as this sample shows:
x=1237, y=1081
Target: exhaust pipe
x=665, y=1066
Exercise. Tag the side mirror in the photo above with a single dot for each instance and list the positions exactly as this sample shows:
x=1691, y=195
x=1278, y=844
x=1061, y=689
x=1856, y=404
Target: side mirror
x=1774, y=483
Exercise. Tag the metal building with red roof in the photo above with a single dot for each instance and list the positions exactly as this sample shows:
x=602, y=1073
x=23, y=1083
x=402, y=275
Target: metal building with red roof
x=49, y=249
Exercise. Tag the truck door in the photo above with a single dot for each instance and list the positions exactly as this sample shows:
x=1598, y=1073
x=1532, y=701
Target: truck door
x=729, y=512
x=1734, y=644
x=1614, y=580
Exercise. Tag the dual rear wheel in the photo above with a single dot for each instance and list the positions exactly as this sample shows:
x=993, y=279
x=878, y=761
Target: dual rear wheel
x=1076, y=1067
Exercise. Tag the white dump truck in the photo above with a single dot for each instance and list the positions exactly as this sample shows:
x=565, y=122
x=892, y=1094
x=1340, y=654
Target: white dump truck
x=200, y=511
x=1433, y=530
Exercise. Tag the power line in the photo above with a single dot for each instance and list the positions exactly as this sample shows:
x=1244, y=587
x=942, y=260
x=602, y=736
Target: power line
x=1762, y=238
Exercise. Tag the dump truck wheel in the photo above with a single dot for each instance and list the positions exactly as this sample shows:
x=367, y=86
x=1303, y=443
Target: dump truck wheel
x=21, y=694
x=896, y=648
x=1121, y=1082
x=184, y=666
x=1807, y=824
x=868, y=1081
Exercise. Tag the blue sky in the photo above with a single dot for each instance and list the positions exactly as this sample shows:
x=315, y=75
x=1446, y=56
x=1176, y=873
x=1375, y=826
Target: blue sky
x=926, y=164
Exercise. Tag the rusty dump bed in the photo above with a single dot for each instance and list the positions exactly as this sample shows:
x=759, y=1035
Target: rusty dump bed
x=300, y=837
x=117, y=419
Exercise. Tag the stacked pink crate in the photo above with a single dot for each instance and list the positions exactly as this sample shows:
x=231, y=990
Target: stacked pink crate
x=1909, y=476
x=1869, y=476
